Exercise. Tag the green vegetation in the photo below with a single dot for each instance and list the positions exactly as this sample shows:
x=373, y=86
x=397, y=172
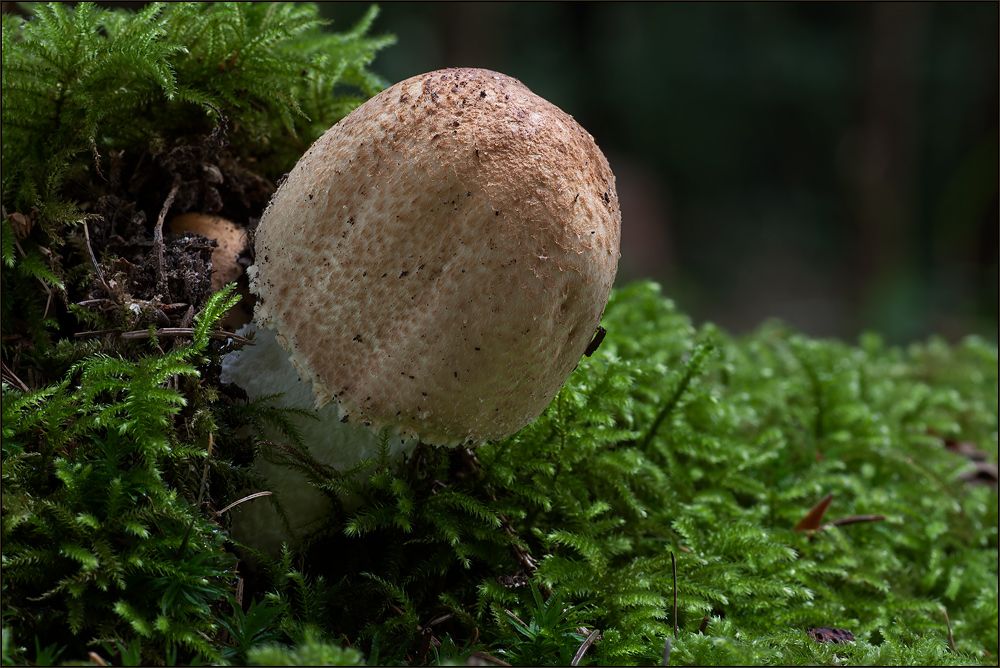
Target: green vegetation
x=671, y=444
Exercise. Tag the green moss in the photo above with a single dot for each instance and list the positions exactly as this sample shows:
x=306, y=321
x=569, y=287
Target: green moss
x=671, y=444
x=80, y=82
x=675, y=440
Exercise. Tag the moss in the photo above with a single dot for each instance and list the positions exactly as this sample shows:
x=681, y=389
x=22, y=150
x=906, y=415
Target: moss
x=671, y=447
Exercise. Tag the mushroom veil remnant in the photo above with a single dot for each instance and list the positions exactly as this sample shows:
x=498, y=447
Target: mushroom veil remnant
x=437, y=263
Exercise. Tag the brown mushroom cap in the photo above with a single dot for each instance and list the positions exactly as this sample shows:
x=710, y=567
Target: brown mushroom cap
x=230, y=238
x=439, y=260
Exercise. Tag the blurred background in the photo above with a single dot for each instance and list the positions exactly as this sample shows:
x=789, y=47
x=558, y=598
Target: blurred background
x=830, y=164
x=834, y=165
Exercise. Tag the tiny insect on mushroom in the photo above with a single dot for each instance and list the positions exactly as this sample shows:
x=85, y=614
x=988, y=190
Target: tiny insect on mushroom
x=436, y=264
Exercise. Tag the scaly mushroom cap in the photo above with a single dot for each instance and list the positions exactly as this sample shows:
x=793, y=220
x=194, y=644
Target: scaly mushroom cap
x=439, y=260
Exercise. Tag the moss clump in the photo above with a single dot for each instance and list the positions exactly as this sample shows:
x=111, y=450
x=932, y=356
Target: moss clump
x=670, y=445
x=676, y=440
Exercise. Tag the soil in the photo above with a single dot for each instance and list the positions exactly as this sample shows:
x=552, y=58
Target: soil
x=198, y=174
x=146, y=276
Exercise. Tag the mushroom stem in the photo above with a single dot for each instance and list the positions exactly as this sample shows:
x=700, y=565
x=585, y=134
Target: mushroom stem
x=263, y=369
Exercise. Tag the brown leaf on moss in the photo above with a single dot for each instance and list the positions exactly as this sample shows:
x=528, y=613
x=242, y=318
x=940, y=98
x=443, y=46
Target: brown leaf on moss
x=814, y=519
x=830, y=634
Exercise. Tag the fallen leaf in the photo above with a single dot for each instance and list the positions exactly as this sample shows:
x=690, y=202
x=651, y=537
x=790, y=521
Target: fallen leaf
x=814, y=519
x=21, y=223
x=830, y=634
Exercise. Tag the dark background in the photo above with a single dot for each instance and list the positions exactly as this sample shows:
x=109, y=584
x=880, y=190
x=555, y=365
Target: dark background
x=834, y=165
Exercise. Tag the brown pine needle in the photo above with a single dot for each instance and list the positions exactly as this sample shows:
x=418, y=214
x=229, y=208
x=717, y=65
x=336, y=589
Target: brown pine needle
x=673, y=562
x=245, y=498
x=854, y=519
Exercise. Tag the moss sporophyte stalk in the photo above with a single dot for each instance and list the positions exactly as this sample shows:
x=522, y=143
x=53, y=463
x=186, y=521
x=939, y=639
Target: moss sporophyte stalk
x=125, y=455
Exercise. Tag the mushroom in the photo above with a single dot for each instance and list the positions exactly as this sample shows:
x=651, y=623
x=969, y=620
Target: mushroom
x=231, y=241
x=230, y=238
x=437, y=263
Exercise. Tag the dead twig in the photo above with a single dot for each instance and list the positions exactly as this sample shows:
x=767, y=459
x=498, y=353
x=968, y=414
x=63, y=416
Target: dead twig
x=583, y=647
x=12, y=379
x=853, y=519
x=515, y=618
x=188, y=317
x=232, y=505
x=951, y=638
x=48, y=290
x=528, y=563
x=425, y=644
x=93, y=259
x=673, y=563
x=96, y=302
x=166, y=331
x=161, y=279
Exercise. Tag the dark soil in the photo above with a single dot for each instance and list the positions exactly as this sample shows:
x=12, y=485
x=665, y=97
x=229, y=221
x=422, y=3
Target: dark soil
x=124, y=270
x=197, y=174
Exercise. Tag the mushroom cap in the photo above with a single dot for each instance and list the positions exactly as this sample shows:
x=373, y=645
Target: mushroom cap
x=231, y=240
x=440, y=259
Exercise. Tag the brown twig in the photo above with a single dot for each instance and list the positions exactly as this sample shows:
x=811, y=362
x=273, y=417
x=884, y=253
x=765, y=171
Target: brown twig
x=12, y=378
x=443, y=617
x=93, y=259
x=426, y=635
x=583, y=647
x=853, y=519
x=166, y=331
x=161, y=279
x=95, y=302
x=188, y=317
x=673, y=563
x=528, y=563
x=951, y=638
x=95, y=332
x=236, y=503
x=48, y=290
